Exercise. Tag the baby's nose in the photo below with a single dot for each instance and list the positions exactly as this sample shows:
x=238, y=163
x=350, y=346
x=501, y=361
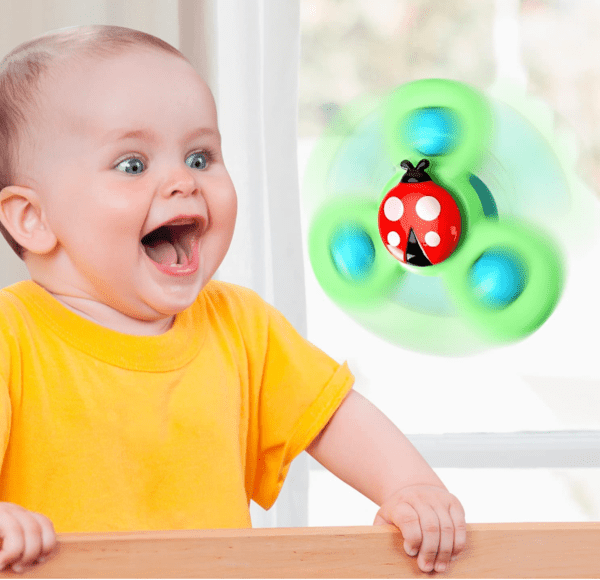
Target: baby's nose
x=181, y=182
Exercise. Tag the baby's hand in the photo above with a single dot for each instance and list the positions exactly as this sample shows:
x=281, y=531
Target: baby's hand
x=27, y=537
x=432, y=522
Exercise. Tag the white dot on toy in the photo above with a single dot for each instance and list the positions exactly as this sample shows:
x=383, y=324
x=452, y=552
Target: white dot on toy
x=393, y=239
x=393, y=209
x=432, y=239
x=428, y=208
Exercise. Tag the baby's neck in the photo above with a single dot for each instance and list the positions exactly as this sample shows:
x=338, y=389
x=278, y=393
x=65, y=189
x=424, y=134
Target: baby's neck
x=108, y=317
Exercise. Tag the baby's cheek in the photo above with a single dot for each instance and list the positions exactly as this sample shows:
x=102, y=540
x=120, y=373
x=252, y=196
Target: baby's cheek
x=225, y=212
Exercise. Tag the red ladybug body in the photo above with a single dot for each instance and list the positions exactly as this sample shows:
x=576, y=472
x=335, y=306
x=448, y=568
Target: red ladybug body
x=419, y=221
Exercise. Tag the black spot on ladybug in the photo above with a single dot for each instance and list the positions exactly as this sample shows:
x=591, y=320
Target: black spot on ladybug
x=414, y=253
x=415, y=174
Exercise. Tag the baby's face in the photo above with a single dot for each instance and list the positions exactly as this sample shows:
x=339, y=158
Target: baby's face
x=128, y=165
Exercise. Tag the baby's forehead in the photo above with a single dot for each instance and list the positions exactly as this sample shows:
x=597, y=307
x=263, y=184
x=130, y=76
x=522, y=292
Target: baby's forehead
x=90, y=96
x=84, y=61
x=104, y=82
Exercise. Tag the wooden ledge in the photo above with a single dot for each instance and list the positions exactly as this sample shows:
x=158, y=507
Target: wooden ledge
x=536, y=550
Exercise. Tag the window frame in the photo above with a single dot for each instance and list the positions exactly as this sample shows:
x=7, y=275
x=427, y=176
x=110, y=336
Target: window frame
x=523, y=449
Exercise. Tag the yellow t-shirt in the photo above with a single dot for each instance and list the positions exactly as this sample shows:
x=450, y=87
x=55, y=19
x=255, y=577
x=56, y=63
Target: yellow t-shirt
x=107, y=431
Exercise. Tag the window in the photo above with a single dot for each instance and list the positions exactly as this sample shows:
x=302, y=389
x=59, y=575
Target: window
x=530, y=409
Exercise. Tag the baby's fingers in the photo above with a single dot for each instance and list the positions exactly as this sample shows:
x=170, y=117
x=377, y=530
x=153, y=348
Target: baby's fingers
x=447, y=535
x=13, y=540
x=404, y=517
x=26, y=536
x=32, y=540
x=431, y=529
x=48, y=534
x=457, y=513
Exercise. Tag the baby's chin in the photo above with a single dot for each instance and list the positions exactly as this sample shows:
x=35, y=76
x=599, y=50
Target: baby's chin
x=170, y=300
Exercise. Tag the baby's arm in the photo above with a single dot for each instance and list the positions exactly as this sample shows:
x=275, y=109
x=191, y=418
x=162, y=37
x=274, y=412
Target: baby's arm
x=362, y=447
x=27, y=537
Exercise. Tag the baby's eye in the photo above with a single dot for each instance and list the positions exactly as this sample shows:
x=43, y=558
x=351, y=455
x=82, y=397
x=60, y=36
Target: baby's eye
x=198, y=160
x=133, y=166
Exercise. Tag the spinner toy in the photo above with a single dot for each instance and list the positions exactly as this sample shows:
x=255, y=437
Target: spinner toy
x=423, y=219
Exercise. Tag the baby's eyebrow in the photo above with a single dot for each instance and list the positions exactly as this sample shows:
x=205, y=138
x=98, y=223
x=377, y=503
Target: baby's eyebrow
x=203, y=132
x=122, y=134
x=149, y=135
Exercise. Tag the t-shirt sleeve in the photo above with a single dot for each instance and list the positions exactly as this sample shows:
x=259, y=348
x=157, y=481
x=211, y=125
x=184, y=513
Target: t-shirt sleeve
x=300, y=390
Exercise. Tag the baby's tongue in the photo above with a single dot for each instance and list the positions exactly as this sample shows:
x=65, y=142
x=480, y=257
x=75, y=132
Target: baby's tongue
x=162, y=251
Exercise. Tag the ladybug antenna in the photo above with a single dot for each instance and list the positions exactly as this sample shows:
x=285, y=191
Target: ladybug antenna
x=415, y=174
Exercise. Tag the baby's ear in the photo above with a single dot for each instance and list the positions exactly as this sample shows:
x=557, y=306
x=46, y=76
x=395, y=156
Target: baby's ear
x=22, y=215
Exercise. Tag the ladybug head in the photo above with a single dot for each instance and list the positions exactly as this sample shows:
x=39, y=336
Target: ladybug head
x=415, y=174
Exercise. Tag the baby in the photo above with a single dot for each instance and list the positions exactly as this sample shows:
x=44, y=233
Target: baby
x=136, y=393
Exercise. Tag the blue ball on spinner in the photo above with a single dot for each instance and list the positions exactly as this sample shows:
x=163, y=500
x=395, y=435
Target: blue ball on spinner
x=352, y=252
x=432, y=130
x=497, y=278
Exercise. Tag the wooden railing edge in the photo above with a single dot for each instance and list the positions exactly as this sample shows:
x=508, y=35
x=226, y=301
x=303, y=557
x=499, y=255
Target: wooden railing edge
x=522, y=550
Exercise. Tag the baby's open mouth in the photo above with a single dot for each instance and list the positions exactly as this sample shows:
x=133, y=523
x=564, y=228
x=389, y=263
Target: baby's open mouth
x=172, y=244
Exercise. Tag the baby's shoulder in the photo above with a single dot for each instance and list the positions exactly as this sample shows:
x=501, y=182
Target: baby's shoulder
x=12, y=309
x=15, y=324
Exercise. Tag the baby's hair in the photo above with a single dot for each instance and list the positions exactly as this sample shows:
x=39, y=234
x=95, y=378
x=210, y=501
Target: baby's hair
x=22, y=69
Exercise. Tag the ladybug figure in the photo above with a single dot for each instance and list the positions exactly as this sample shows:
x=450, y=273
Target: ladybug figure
x=419, y=221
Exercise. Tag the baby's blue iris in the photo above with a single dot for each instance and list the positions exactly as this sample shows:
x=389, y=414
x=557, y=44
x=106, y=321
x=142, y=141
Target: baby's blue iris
x=135, y=166
x=197, y=161
x=132, y=165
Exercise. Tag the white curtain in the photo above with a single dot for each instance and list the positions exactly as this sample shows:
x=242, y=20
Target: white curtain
x=250, y=58
x=248, y=50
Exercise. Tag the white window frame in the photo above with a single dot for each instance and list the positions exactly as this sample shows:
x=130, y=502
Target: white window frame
x=525, y=449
